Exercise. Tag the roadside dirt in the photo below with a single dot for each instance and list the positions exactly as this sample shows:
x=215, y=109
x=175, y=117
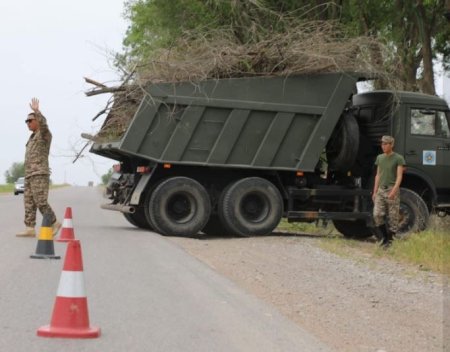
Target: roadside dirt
x=356, y=303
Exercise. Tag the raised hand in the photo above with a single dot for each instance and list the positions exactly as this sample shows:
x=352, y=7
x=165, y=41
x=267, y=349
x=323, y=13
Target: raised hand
x=34, y=105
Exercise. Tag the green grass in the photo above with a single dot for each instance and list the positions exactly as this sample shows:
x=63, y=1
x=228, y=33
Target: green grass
x=427, y=250
x=430, y=250
x=8, y=188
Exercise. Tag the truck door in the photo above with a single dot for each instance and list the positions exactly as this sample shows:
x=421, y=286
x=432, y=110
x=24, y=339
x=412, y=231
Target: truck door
x=427, y=145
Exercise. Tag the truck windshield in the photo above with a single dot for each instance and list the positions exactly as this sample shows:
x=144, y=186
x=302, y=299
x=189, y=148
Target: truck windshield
x=430, y=123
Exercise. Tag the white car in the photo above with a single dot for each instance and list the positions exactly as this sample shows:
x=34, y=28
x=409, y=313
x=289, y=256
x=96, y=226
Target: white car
x=19, y=186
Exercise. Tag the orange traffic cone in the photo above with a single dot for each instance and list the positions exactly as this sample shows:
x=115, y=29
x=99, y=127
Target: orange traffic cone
x=45, y=248
x=67, y=233
x=70, y=313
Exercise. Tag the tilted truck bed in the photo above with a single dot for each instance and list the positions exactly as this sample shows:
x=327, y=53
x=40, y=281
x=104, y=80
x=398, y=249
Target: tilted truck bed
x=280, y=123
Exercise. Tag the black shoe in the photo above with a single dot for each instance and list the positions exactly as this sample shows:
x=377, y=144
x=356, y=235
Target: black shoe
x=379, y=232
x=388, y=238
x=385, y=244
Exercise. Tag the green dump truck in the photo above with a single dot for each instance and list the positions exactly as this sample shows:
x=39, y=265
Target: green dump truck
x=234, y=156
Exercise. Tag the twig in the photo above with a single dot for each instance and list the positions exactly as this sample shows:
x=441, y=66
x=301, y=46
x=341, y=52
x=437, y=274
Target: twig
x=80, y=153
x=105, y=90
x=95, y=83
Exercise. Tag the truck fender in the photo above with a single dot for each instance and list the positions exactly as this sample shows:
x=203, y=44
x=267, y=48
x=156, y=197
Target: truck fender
x=412, y=173
x=140, y=187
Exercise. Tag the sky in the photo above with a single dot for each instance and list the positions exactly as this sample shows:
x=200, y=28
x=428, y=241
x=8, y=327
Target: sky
x=47, y=47
x=443, y=85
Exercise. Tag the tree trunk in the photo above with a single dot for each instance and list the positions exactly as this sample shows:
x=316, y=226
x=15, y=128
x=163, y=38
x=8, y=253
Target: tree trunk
x=427, y=82
x=447, y=10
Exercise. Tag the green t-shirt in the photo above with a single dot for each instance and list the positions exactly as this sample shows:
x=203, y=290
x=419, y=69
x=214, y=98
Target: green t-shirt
x=387, y=165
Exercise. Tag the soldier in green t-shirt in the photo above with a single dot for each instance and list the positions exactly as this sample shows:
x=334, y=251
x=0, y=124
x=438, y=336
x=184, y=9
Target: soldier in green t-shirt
x=386, y=191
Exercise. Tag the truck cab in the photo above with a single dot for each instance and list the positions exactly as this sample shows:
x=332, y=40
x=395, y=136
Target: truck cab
x=420, y=125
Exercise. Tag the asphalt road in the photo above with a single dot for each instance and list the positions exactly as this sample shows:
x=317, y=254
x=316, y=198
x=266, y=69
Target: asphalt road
x=144, y=292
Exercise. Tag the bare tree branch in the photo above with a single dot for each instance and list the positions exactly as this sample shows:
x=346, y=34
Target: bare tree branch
x=105, y=90
x=95, y=83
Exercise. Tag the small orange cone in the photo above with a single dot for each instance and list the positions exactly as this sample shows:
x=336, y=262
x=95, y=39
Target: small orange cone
x=45, y=248
x=67, y=234
x=70, y=317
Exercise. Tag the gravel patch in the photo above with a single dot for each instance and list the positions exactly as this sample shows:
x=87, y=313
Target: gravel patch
x=360, y=303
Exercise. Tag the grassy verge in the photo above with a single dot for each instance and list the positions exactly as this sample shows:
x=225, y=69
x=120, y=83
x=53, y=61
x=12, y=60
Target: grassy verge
x=427, y=250
x=8, y=188
x=430, y=250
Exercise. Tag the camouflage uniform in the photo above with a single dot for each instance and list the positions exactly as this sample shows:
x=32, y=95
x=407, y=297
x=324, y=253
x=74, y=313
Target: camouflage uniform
x=37, y=173
x=384, y=206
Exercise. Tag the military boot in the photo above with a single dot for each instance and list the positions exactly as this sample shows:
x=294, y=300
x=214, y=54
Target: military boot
x=379, y=232
x=389, y=238
x=28, y=232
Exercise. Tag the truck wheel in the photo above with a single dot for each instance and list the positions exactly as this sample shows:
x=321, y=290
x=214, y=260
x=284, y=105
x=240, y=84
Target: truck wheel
x=250, y=207
x=342, y=148
x=179, y=206
x=215, y=227
x=138, y=219
x=414, y=214
x=353, y=228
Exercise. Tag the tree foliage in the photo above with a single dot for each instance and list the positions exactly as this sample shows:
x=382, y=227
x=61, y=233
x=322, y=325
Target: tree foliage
x=106, y=177
x=15, y=171
x=416, y=30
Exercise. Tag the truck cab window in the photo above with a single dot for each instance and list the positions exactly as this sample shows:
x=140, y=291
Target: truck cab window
x=427, y=122
x=443, y=117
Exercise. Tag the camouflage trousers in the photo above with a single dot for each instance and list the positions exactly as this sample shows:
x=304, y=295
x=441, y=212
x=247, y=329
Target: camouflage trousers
x=386, y=208
x=35, y=197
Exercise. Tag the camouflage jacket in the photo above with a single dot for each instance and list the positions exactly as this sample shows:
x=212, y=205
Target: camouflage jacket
x=37, y=149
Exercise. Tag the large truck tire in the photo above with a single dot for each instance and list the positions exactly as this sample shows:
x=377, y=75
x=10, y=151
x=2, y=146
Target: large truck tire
x=342, y=148
x=178, y=206
x=353, y=228
x=414, y=214
x=251, y=206
x=138, y=219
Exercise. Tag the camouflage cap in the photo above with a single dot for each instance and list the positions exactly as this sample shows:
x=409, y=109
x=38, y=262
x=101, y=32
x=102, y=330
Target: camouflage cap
x=387, y=139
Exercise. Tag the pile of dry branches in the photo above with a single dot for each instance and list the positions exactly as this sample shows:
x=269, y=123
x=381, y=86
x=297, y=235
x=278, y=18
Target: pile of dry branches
x=312, y=47
x=308, y=48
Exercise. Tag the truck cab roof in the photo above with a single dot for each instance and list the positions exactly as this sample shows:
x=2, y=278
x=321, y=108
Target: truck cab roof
x=381, y=96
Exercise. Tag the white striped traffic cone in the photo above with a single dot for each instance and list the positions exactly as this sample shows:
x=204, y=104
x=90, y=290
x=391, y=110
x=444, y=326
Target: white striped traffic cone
x=70, y=313
x=67, y=233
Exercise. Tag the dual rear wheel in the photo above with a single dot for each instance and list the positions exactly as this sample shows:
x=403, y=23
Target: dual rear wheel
x=251, y=206
x=181, y=206
x=178, y=206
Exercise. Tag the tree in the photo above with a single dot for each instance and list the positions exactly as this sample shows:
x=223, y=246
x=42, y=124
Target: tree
x=158, y=23
x=416, y=30
x=15, y=171
x=106, y=177
x=447, y=9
